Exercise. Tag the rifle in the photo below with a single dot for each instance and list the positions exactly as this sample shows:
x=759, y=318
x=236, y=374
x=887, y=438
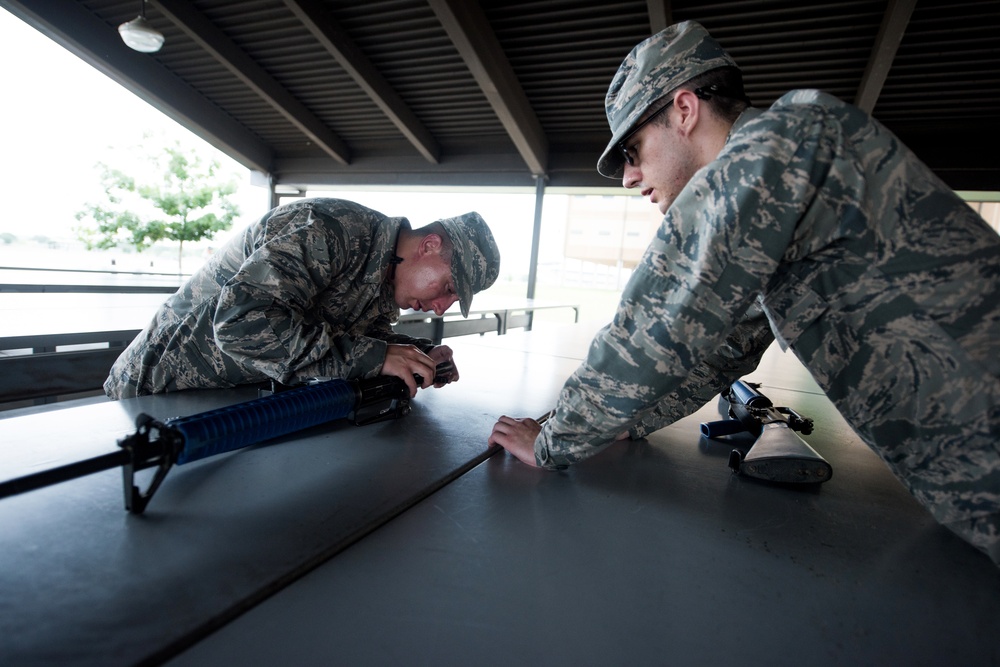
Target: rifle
x=274, y=413
x=778, y=454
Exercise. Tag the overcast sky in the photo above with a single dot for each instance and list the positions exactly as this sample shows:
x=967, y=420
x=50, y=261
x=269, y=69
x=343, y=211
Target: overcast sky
x=48, y=168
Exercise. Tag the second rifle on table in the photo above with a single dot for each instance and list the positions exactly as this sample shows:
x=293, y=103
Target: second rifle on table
x=778, y=454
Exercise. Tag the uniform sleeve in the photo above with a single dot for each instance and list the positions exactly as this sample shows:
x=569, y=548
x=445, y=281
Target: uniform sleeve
x=382, y=330
x=717, y=248
x=738, y=355
x=264, y=321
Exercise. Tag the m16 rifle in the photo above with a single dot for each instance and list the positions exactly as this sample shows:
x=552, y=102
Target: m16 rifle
x=778, y=454
x=276, y=412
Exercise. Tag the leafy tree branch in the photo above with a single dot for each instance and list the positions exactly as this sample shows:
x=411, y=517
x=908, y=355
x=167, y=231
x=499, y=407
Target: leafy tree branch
x=189, y=202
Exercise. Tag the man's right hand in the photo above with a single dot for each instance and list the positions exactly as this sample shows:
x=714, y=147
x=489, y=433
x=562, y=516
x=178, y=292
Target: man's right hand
x=405, y=361
x=517, y=436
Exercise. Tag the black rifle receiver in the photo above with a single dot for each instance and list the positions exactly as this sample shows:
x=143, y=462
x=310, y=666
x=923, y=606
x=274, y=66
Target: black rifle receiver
x=778, y=454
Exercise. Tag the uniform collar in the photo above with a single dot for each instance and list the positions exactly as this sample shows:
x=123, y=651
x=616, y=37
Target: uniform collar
x=748, y=114
x=383, y=248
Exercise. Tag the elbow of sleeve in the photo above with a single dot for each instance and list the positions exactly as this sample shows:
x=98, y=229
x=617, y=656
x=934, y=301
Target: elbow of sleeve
x=638, y=432
x=364, y=358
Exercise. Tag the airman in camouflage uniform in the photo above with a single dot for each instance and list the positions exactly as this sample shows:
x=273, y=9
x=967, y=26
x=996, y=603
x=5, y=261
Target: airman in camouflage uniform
x=812, y=223
x=310, y=290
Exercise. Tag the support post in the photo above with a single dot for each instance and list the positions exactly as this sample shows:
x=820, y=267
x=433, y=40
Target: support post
x=536, y=234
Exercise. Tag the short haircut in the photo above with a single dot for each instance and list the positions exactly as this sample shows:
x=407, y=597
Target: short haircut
x=726, y=107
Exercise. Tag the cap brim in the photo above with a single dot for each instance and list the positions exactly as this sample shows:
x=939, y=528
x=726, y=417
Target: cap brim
x=460, y=279
x=611, y=164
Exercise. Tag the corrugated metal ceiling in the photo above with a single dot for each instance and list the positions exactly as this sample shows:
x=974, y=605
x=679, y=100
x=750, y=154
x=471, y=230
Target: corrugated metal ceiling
x=493, y=93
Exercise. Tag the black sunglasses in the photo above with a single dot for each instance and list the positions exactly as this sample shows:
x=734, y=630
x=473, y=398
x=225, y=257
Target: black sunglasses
x=629, y=153
x=704, y=93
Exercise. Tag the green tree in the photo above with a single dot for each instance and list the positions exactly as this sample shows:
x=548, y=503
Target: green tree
x=189, y=203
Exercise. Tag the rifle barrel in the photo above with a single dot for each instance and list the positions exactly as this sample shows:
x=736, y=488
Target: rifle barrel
x=63, y=473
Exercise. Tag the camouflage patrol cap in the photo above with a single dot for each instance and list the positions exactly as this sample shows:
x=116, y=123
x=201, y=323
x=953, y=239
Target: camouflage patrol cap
x=475, y=259
x=654, y=68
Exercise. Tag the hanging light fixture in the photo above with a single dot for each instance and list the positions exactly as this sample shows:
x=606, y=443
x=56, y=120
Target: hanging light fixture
x=138, y=34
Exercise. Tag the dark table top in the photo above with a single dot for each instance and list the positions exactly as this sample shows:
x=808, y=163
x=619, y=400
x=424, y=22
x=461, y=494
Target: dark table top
x=377, y=544
x=651, y=552
x=84, y=582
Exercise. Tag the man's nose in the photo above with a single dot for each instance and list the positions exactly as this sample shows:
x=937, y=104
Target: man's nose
x=443, y=304
x=631, y=176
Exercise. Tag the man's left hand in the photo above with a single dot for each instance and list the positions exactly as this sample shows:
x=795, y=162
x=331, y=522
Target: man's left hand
x=443, y=354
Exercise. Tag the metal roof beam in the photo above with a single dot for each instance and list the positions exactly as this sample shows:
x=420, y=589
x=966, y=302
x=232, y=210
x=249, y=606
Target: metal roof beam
x=890, y=34
x=470, y=32
x=318, y=20
x=660, y=15
x=98, y=44
x=204, y=33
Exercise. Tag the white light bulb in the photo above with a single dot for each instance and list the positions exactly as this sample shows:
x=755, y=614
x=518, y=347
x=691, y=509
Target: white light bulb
x=139, y=35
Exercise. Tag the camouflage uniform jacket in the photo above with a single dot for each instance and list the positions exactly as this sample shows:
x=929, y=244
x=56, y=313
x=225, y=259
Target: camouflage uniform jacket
x=301, y=293
x=817, y=221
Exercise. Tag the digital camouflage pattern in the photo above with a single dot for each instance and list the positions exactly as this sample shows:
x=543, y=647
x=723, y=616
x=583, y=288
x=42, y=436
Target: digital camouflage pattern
x=655, y=67
x=817, y=221
x=475, y=258
x=301, y=293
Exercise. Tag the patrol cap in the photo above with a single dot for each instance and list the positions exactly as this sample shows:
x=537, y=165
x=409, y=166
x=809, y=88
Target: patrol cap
x=475, y=259
x=654, y=68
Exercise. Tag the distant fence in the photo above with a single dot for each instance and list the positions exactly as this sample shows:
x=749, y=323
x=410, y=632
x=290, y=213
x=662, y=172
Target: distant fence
x=55, y=340
x=48, y=366
x=497, y=319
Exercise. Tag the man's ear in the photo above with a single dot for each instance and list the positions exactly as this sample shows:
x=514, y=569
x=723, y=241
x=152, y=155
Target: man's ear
x=688, y=108
x=430, y=244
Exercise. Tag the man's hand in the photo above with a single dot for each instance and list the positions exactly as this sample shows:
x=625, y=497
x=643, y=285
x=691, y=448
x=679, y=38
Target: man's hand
x=443, y=354
x=405, y=361
x=517, y=436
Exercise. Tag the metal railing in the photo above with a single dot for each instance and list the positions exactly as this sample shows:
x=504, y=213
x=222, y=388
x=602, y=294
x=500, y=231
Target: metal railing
x=49, y=366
